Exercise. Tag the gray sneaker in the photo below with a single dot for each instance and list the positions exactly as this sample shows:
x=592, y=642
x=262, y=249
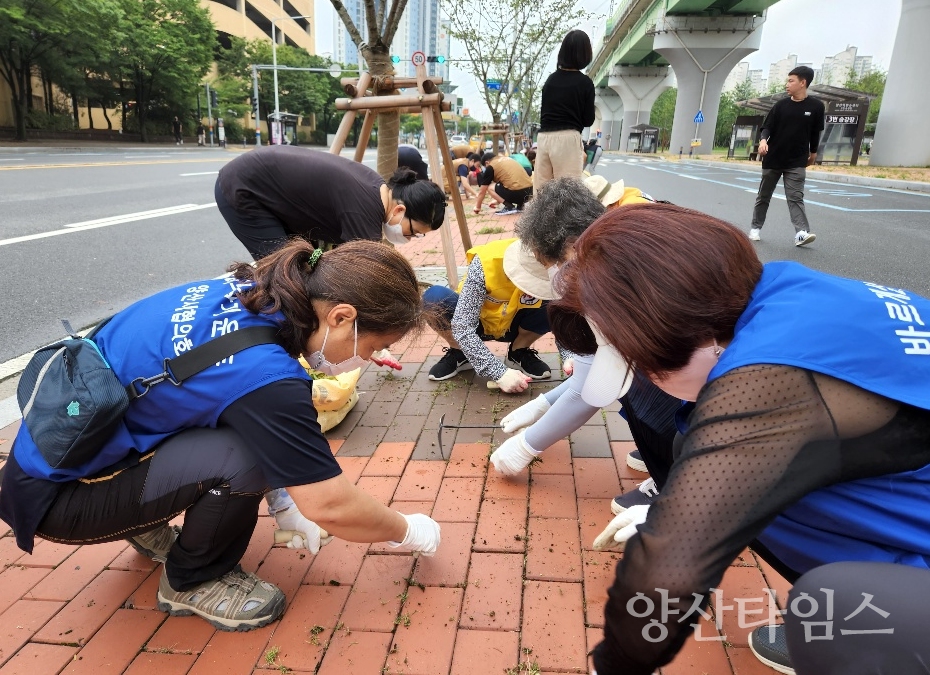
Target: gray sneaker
x=156, y=543
x=770, y=646
x=237, y=601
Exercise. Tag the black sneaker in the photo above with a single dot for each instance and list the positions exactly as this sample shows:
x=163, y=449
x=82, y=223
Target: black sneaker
x=452, y=363
x=528, y=361
x=770, y=646
x=644, y=494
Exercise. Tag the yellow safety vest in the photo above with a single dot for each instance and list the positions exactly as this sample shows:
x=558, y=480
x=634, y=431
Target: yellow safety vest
x=631, y=195
x=504, y=298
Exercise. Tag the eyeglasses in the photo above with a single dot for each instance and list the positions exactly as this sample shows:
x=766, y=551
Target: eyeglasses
x=413, y=233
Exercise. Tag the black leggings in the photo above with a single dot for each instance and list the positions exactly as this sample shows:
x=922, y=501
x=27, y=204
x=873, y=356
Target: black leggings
x=817, y=643
x=207, y=474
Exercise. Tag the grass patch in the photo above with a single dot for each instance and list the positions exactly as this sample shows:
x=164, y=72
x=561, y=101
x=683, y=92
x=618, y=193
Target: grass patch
x=491, y=230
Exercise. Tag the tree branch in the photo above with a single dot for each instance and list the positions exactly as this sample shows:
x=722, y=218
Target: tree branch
x=347, y=22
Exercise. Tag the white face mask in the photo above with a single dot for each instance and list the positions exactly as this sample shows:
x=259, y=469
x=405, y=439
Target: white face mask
x=318, y=361
x=394, y=233
x=686, y=383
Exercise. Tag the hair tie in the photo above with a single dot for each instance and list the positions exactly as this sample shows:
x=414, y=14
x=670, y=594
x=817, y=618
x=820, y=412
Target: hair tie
x=315, y=257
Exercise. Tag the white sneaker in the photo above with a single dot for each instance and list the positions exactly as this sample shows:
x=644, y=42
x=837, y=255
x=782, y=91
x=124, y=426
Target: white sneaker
x=755, y=234
x=803, y=238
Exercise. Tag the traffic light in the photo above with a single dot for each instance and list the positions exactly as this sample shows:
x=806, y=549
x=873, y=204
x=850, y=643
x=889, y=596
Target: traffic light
x=395, y=58
x=436, y=59
x=213, y=100
x=255, y=110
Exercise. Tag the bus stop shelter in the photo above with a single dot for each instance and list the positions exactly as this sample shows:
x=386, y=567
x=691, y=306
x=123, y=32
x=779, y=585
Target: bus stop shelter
x=844, y=124
x=643, y=138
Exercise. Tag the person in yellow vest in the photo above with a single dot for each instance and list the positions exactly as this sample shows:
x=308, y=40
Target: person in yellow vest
x=503, y=298
x=510, y=181
x=612, y=195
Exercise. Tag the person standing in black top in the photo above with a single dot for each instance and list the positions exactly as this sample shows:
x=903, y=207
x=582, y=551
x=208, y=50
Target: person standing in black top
x=277, y=192
x=790, y=136
x=176, y=128
x=567, y=108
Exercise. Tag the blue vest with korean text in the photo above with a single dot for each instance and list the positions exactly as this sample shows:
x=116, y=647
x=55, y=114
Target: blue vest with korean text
x=137, y=340
x=872, y=336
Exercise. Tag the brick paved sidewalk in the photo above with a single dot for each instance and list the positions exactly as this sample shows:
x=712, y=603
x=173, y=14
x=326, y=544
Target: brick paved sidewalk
x=515, y=586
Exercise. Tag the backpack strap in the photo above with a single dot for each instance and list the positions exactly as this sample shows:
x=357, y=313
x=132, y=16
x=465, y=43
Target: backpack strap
x=200, y=358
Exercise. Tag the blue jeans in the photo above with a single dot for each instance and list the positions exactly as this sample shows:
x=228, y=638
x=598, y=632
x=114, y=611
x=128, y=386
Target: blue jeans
x=443, y=300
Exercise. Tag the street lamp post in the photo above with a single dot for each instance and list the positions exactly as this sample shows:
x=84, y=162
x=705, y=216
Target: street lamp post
x=274, y=61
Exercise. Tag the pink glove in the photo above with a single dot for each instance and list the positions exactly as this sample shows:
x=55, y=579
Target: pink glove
x=384, y=358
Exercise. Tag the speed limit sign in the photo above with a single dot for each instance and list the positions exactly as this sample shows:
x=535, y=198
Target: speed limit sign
x=418, y=58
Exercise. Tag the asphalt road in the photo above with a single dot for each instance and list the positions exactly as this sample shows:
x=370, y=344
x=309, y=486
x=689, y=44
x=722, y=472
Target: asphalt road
x=864, y=232
x=85, y=233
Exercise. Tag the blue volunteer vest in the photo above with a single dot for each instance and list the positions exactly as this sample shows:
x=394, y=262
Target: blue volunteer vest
x=874, y=337
x=137, y=341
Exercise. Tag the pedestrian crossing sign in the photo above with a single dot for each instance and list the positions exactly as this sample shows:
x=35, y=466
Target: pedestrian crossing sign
x=699, y=117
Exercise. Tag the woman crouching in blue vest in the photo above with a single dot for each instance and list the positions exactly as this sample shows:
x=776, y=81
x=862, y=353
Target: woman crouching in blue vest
x=213, y=446
x=809, y=440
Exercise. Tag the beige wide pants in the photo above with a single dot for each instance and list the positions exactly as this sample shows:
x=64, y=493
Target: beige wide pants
x=559, y=154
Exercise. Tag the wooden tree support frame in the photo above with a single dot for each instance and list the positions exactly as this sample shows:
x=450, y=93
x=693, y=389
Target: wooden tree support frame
x=429, y=102
x=498, y=132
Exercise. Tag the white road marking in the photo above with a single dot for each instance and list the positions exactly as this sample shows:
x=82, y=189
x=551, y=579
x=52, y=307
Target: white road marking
x=200, y=173
x=105, y=222
x=11, y=159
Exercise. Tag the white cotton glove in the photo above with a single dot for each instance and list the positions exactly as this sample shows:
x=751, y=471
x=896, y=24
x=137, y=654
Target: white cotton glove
x=621, y=528
x=568, y=367
x=306, y=533
x=422, y=535
x=513, y=382
x=513, y=455
x=525, y=415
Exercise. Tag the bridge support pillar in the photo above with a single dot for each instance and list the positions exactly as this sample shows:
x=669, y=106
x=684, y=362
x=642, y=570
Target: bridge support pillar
x=902, y=137
x=703, y=51
x=638, y=87
x=607, y=117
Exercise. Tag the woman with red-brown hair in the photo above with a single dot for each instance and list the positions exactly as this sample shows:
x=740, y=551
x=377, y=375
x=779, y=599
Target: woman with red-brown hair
x=809, y=440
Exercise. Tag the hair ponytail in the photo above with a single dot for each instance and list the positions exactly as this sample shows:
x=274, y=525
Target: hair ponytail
x=375, y=279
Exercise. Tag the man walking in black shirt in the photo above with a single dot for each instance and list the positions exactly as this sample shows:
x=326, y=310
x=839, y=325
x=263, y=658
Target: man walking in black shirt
x=790, y=136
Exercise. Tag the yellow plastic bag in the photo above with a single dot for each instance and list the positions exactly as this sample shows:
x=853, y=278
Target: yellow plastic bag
x=331, y=393
x=330, y=418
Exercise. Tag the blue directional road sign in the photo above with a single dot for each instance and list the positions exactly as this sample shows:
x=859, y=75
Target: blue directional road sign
x=699, y=117
x=493, y=85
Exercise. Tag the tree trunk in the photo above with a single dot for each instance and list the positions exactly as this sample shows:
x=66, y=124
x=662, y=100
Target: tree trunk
x=90, y=115
x=75, y=112
x=379, y=65
x=122, y=105
x=103, y=107
x=28, y=82
x=21, y=106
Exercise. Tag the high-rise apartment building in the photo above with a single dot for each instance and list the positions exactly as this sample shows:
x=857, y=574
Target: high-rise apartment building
x=836, y=69
x=420, y=29
x=778, y=71
x=737, y=76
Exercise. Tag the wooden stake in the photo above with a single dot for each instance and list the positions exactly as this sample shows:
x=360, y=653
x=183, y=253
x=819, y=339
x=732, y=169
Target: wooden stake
x=432, y=151
x=453, y=182
x=346, y=125
x=365, y=134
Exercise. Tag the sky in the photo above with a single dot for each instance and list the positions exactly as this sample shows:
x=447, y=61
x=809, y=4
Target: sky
x=812, y=29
